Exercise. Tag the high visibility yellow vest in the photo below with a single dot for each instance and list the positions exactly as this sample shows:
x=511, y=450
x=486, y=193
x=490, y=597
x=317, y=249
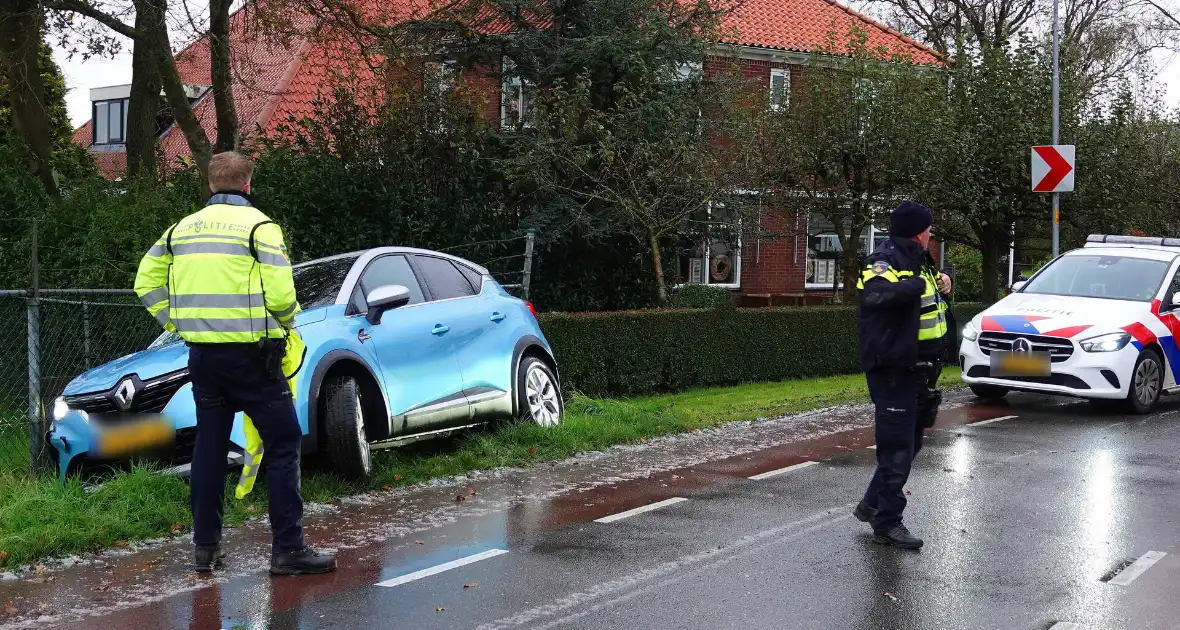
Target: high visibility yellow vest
x=932, y=321
x=220, y=275
x=292, y=364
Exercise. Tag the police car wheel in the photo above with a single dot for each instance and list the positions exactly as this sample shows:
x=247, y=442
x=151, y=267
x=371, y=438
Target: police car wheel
x=1147, y=382
x=989, y=392
x=344, y=425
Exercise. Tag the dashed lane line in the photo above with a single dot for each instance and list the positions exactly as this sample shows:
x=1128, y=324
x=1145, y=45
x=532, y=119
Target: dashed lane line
x=1136, y=568
x=1065, y=625
x=446, y=566
x=992, y=421
x=640, y=510
x=781, y=471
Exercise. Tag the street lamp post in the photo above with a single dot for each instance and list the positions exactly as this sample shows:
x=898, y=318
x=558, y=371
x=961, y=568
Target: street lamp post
x=1056, y=124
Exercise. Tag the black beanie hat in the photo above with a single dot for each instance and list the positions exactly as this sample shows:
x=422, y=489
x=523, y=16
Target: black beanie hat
x=910, y=219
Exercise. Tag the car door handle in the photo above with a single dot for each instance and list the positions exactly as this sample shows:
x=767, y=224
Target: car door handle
x=440, y=330
x=498, y=317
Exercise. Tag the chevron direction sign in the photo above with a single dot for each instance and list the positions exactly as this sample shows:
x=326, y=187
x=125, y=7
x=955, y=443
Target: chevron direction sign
x=1053, y=168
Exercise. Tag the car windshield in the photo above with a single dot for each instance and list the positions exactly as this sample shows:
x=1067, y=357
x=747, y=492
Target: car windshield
x=316, y=284
x=1098, y=276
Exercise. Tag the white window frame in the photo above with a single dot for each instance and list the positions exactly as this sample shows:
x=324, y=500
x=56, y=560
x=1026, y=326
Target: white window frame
x=513, y=82
x=870, y=240
x=685, y=70
x=785, y=101
x=737, y=259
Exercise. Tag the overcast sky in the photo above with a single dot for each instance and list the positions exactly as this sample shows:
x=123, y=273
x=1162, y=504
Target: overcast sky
x=82, y=76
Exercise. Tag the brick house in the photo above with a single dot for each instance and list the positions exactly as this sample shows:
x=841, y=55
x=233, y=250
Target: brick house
x=274, y=81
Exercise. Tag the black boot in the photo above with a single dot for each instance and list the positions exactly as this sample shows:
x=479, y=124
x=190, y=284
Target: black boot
x=207, y=557
x=897, y=536
x=302, y=562
x=864, y=512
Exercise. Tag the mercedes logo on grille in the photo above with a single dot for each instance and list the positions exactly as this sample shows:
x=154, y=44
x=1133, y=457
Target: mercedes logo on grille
x=1022, y=345
x=124, y=394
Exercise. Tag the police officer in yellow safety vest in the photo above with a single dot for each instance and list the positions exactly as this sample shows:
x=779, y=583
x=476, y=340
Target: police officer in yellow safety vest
x=220, y=278
x=902, y=320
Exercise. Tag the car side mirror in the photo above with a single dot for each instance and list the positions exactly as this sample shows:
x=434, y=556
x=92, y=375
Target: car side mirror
x=385, y=298
x=1018, y=285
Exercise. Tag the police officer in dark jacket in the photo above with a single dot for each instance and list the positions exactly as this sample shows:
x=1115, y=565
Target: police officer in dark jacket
x=902, y=320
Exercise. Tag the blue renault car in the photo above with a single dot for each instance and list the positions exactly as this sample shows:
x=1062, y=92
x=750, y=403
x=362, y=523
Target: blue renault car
x=402, y=345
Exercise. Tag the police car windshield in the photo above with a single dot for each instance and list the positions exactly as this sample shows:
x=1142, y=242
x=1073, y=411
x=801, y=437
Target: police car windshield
x=1098, y=276
x=316, y=284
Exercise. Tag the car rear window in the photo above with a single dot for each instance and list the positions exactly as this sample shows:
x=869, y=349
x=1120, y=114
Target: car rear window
x=443, y=278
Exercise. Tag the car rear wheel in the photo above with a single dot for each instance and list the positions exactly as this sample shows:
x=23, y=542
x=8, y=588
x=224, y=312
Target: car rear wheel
x=539, y=397
x=989, y=392
x=1147, y=382
x=344, y=426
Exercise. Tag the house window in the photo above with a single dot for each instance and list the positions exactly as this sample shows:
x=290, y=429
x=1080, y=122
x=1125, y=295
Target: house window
x=440, y=76
x=780, y=89
x=516, y=97
x=825, y=257
x=688, y=70
x=110, y=121
x=711, y=246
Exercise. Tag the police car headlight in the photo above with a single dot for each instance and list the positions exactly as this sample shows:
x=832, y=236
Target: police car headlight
x=970, y=333
x=1106, y=343
x=60, y=409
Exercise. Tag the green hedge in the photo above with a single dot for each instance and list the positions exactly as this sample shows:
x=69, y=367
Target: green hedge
x=640, y=352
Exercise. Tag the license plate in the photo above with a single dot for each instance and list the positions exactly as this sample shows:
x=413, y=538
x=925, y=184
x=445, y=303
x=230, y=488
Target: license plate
x=1021, y=364
x=129, y=435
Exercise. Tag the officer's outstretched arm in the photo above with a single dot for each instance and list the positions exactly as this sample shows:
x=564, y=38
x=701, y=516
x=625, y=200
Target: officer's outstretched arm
x=151, y=281
x=277, y=281
x=879, y=293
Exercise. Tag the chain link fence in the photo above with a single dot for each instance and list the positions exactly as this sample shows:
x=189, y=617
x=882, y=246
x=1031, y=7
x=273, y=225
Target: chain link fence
x=45, y=342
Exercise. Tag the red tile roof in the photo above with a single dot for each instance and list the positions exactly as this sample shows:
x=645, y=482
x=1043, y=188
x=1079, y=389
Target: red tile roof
x=275, y=81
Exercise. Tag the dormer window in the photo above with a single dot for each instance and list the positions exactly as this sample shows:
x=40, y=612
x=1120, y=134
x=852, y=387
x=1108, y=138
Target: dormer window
x=110, y=121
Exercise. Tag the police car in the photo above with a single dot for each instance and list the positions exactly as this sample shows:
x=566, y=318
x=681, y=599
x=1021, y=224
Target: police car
x=1098, y=322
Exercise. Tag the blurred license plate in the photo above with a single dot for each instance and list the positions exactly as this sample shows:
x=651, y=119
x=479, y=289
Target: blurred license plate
x=129, y=435
x=1020, y=364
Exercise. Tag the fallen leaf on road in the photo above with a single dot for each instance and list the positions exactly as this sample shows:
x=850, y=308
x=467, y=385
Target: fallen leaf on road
x=39, y=569
x=891, y=596
x=460, y=497
x=471, y=491
x=102, y=587
x=440, y=609
x=386, y=488
x=419, y=542
x=121, y=544
x=3, y=557
x=907, y=492
x=472, y=585
x=948, y=470
x=9, y=609
x=177, y=528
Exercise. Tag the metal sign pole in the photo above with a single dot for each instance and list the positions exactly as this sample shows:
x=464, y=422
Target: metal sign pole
x=1056, y=125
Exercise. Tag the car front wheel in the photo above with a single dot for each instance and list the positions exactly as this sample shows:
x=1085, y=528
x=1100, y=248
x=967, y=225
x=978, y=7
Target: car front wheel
x=539, y=398
x=344, y=426
x=1147, y=382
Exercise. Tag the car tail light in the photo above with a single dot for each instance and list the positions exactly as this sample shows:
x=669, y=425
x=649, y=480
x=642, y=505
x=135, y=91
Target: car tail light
x=532, y=309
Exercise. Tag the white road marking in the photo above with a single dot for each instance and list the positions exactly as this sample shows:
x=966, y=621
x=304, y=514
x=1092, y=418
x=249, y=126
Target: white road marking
x=446, y=566
x=1128, y=575
x=976, y=424
x=640, y=510
x=1065, y=625
x=780, y=471
x=873, y=447
x=1017, y=456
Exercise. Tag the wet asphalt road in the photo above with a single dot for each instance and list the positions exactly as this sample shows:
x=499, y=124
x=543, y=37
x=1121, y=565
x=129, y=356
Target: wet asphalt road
x=1026, y=521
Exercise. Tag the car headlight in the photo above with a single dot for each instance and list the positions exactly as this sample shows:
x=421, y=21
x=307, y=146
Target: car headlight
x=970, y=332
x=1106, y=343
x=60, y=408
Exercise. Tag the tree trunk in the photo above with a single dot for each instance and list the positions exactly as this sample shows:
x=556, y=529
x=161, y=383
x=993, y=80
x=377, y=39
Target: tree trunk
x=182, y=110
x=144, y=104
x=20, y=41
x=990, y=247
x=222, y=75
x=657, y=259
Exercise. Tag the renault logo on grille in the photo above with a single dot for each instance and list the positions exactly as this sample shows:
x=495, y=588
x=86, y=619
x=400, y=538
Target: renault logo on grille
x=124, y=395
x=1022, y=345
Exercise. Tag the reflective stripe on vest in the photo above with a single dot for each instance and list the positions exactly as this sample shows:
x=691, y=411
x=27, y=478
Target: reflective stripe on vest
x=932, y=322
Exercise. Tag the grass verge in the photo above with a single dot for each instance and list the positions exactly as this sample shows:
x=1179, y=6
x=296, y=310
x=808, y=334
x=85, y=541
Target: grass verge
x=40, y=517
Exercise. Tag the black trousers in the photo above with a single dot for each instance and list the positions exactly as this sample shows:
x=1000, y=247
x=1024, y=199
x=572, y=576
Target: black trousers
x=232, y=378
x=903, y=413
